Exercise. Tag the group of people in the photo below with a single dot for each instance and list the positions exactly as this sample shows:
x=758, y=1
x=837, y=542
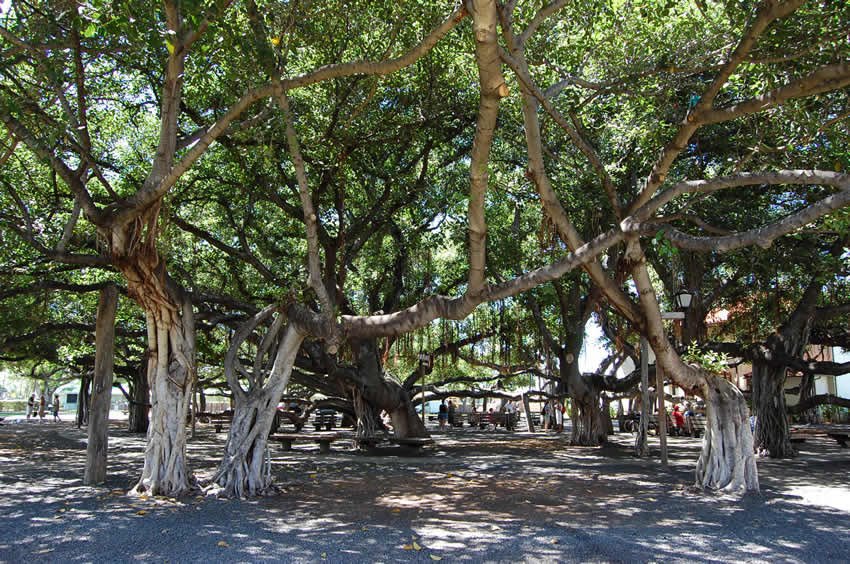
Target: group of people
x=682, y=419
x=446, y=416
x=552, y=414
x=41, y=411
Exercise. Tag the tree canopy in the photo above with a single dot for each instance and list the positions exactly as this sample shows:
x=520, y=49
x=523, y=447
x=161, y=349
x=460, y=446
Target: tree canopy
x=376, y=169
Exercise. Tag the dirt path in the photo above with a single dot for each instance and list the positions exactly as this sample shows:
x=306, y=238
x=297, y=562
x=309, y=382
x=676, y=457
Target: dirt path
x=475, y=497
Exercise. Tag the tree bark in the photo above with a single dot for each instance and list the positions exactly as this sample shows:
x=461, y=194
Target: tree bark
x=772, y=431
x=139, y=403
x=83, y=401
x=726, y=461
x=384, y=394
x=244, y=470
x=101, y=397
x=171, y=364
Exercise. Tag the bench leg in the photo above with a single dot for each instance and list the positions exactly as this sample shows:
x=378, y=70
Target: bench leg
x=325, y=447
x=286, y=444
x=218, y=427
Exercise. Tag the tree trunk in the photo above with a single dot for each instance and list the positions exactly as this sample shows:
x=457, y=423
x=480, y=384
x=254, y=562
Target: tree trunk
x=83, y=401
x=171, y=365
x=101, y=397
x=589, y=428
x=772, y=431
x=726, y=461
x=244, y=470
x=807, y=391
x=139, y=405
x=383, y=394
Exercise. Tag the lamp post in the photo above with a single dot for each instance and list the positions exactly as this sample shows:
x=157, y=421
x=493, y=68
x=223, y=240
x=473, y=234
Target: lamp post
x=682, y=298
x=424, y=364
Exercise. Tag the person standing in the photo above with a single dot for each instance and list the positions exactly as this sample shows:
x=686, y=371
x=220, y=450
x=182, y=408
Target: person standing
x=42, y=407
x=559, y=417
x=451, y=413
x=56, y=408
x=443, y=414
x=31, y=407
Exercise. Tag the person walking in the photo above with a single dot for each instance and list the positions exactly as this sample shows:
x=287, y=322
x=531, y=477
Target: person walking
x=31, y=407
x=56, y=408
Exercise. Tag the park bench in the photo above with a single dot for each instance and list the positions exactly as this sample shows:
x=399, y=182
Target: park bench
x=840, y=438
x=323, y=439
x=411, y=445
x=219, y=420
x=697, y=425
x=839, y=433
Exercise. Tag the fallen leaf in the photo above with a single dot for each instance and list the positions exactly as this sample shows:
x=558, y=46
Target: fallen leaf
x=435, y=557
x=324, y=555
x=44, y=551
x=141, y=512
x=416, y=546
x=313, y=476
x=555, y=541
x=407, y=547
x=396, y=510
x=222, y=544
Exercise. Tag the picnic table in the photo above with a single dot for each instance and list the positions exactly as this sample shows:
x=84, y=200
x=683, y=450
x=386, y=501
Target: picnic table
x=323, y=439
x=412, y=445
x=839, y=433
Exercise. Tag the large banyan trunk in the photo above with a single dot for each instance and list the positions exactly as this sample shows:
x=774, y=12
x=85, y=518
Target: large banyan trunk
x=245, y=469
x=382, y=394
x=171, y=341
x=589, y=425
x=772, y=431
x=139, y=404
x=726, y=462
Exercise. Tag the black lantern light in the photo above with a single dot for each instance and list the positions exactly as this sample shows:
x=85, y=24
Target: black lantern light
x=683, y=298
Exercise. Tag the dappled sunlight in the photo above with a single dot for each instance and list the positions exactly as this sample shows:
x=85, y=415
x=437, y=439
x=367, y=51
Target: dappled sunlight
x=471, y=496
x=831, y=497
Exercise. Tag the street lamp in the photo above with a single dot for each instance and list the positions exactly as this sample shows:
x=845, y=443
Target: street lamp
x=683, y=298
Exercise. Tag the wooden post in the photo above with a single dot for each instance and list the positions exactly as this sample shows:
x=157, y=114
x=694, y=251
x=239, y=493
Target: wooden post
x=422, y=379
x=101, y=394
x=642, y=449
x=662, y=411
x=527, y=406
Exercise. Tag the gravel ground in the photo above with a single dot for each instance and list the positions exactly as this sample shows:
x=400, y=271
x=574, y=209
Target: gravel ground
x=475, y=496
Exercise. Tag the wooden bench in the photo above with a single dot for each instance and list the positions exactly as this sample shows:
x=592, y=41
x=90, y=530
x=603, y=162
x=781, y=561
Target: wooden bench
x=324, y=440
x=413, y=445
x=840, y=438
x=697, y=425
x=219, y=420
x=839, y=433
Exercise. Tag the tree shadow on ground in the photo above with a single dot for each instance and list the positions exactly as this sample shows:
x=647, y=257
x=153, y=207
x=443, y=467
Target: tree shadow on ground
x=474, y=496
